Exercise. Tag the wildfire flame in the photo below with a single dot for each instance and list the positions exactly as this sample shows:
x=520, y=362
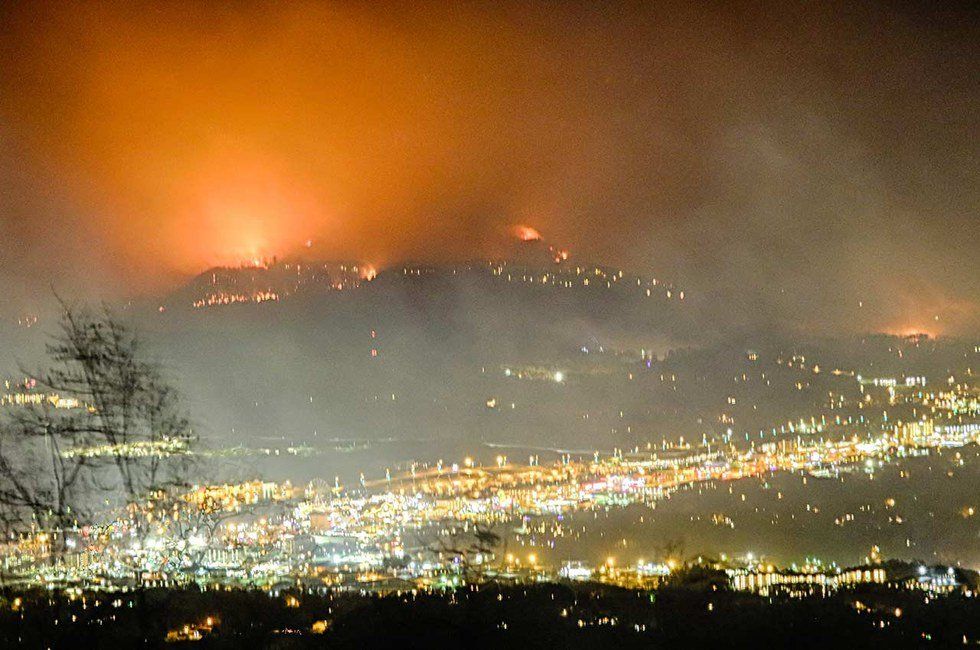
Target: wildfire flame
x=368, y=272
x=526, y=233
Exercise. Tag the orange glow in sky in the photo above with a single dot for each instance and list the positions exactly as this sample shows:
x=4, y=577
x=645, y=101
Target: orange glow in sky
x=238, y=210
x=139, y=147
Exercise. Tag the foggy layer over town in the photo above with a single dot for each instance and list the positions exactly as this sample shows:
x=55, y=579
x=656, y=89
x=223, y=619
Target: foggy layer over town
x=565, y=324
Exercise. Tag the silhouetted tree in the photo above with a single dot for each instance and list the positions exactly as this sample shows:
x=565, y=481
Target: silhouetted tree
x=43, y=485
x=469, y=548
x=673, y=549
x=125, y=435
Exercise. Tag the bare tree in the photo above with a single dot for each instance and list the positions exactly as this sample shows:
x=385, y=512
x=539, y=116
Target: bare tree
x=125, y=433
x=42, y=486
x=673, y=549
x=469, y=549
x=131, y=408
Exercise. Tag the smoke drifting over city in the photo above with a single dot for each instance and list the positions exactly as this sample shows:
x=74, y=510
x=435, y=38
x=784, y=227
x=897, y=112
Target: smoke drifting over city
x=489, y=324
x=807, y=169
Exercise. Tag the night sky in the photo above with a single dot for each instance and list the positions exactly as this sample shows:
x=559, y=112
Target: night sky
x=789, y=163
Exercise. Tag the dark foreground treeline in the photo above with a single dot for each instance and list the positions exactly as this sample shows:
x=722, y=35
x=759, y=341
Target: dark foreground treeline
x=545, y=615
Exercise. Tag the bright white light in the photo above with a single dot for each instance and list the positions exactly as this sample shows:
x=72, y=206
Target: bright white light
x=559, y=376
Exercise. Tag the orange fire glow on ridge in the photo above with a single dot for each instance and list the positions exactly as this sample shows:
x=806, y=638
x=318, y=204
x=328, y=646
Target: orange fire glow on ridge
x=526, y=233
x=368, y=272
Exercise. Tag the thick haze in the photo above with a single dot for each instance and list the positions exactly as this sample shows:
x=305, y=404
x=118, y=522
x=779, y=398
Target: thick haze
x=786, y=164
